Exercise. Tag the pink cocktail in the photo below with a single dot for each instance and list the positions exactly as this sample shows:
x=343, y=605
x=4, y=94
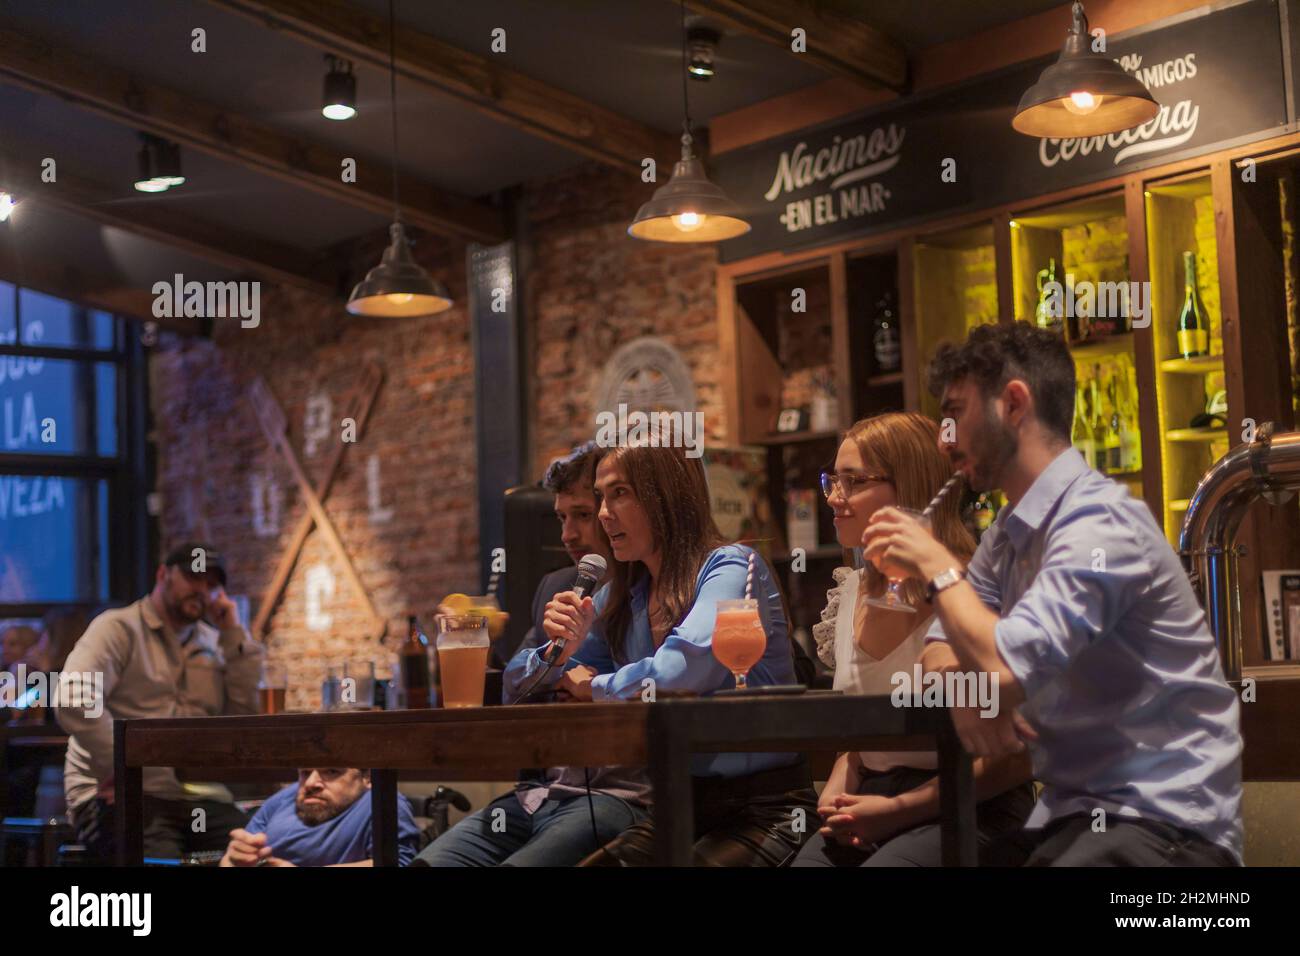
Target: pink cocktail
x=739, y=641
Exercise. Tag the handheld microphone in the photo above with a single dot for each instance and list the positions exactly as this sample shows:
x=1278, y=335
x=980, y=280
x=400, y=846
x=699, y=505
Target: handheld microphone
x=590, y=570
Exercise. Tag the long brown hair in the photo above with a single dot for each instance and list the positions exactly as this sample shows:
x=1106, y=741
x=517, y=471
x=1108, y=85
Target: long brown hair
x=674, y=492
x=904, y=447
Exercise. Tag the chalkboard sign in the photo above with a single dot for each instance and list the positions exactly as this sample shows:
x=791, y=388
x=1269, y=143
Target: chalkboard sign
x=1218, y=77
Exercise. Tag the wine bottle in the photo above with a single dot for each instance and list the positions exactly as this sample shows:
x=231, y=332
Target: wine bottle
x=1193, y=324
x=1047, y=314
x=884, y=340
x=1131, y=436
x=1080, y=433
x=1114, y=437
x=1098, y=423
x=413, y=658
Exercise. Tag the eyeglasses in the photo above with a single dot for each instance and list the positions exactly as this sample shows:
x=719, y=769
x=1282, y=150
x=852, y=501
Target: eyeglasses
x=850, y=484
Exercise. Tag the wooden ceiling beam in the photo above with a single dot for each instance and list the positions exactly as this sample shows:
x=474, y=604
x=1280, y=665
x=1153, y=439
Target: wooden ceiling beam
x=504, y=94
x=68, y=281
x=153, y=219
x=839, y=44
x=39, y=65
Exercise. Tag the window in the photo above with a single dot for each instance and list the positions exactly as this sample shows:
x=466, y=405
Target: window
x=70, y=498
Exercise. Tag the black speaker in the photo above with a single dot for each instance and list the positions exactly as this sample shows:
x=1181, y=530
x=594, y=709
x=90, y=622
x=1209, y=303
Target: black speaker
x=533, y=550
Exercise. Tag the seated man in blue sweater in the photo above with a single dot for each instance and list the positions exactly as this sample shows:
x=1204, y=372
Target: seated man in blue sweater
x=322, y=820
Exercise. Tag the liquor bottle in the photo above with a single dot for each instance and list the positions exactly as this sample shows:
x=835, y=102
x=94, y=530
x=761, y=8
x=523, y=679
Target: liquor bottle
x=884, y=339
x=1114, y=436
x=1130, y=436
x=1098, y=423
x=1080, y=433
x=1048, y=312
x=413, y=663
x=1193, y=323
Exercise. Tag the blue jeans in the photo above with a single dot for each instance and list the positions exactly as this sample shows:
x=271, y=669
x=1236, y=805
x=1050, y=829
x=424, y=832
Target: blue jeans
x=558, y=834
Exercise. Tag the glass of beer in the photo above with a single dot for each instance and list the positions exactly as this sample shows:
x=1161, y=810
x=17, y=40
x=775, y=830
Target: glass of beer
x=462, y=658
x=893, y=597
x=739, y=641
x=272, y=687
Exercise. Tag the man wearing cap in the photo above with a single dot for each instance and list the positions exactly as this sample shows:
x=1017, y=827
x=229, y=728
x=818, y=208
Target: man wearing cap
x=158, y=657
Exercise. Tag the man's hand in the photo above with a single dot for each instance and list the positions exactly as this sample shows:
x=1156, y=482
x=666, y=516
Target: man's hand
x=276, y=861
x=567, y=621
x=224, y=614
x=991, y=736
x=576, y=682
x=859, y=820
x=246, y=849
x=900, y=540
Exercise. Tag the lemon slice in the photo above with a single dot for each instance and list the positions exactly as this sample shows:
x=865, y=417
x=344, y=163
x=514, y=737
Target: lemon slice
x=459, y=603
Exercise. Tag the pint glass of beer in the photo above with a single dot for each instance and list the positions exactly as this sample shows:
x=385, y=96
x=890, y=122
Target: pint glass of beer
x=462, y=658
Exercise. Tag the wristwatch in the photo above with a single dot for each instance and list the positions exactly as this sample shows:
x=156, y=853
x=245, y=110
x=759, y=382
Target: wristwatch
x=944, y=579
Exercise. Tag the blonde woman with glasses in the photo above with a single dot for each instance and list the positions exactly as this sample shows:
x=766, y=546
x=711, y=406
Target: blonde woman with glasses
x=882, y=808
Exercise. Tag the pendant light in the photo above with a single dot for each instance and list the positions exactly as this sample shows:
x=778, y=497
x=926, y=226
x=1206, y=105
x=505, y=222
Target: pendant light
x=397, y=287
x=689, y=207
x=1083, y=93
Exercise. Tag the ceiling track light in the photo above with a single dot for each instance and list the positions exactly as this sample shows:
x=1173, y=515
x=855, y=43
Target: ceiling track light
x=340, y=97
x=703, y=44
x=160, y=164
x=1083, y=93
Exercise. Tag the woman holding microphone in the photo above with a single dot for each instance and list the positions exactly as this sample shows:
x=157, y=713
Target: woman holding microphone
x=650, y=628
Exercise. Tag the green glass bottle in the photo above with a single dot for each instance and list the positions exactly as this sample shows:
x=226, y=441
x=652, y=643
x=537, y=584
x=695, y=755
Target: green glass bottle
x=1193, y=323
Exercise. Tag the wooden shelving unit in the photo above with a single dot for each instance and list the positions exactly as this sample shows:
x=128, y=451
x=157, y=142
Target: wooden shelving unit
x=1180, y=216
x=982, y=267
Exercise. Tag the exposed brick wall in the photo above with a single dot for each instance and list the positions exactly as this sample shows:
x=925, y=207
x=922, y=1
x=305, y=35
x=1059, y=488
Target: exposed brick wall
x=591, y=289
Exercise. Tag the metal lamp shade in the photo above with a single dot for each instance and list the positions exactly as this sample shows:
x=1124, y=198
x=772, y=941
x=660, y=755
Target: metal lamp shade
x=1044, y=110
x=688, y=193
x=398, y=287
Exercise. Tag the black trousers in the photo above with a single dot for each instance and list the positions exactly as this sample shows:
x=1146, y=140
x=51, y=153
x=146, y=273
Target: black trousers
x=758, y=820
x=1126, y=841
x=919, y=845
x=171, y=827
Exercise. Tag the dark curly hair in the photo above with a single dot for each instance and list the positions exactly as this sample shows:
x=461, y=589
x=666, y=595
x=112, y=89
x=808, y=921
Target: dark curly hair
x=993, y=355
x=576, y=468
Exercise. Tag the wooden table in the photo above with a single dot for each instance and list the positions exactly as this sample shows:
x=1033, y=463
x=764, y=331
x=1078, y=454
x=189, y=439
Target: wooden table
x=494, y=742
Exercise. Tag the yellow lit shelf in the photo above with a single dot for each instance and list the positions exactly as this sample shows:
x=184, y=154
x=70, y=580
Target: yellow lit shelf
x=1180, y=504
x=1116, y=344
x=1201, y=365
x=1196, y=434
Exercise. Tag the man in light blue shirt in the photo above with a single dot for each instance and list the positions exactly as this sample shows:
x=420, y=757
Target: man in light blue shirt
x=1079, y=608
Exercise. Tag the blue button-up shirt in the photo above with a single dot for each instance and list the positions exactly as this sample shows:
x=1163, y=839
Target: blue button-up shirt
x=684, y=661
x=1121, y=676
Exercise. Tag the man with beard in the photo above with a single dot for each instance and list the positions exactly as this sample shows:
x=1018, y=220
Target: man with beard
x=322, y=820
x=1077, y=607
x=158, y=657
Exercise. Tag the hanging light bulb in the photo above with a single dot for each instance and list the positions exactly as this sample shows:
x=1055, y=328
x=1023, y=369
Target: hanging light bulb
x=690, y=207
x=340, y=99
x=397, y=287
x=7, y=204
x=1083, y=93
